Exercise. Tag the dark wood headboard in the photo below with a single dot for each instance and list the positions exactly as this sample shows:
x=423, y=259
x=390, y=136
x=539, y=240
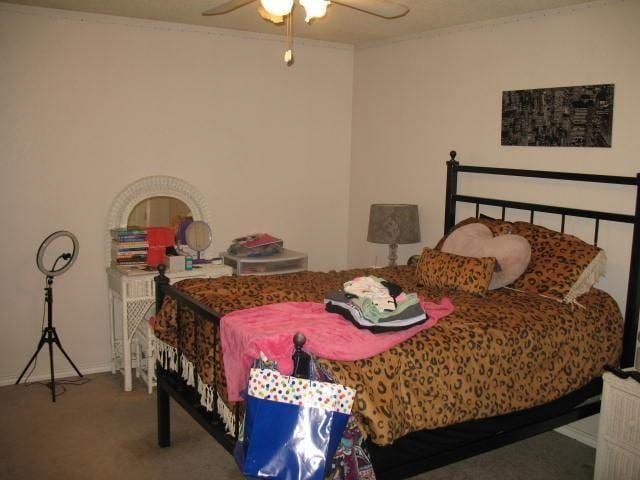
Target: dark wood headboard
x=633, y=290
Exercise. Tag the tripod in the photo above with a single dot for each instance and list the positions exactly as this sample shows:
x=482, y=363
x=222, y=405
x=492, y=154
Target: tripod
x=49, y=336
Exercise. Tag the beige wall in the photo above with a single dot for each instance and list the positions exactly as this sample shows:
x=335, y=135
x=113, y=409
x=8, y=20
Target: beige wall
x=417, y=99
x=90, y=103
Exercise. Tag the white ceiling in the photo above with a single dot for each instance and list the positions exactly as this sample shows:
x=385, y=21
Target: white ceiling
x=341, y=24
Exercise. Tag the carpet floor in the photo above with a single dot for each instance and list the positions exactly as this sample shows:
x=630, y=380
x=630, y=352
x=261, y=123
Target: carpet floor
x=97, y=431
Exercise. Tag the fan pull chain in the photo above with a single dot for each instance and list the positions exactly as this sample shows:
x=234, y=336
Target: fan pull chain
x=288, y=55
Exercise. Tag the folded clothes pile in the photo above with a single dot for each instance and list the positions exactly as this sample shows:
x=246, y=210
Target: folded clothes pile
x=375, y=304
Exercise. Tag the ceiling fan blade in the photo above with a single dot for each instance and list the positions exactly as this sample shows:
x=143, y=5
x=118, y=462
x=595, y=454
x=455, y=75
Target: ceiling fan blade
x=226, y=6
x=381, y=8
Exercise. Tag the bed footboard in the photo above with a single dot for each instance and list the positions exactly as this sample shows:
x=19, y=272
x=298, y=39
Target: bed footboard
x=177, y=376
x=178, y=379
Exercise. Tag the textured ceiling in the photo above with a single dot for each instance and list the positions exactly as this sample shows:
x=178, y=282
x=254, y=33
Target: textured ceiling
x=341, y=24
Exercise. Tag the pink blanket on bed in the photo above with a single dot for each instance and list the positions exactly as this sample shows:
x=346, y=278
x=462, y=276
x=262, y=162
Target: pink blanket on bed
x=270, y=329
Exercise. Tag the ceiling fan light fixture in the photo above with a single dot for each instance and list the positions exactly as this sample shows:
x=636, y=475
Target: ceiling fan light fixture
x=278, y=8
x=314, y=8
x=277, y=19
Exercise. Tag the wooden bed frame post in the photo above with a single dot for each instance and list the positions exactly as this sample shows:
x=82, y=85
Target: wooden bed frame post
x=452, y=189
x=633, y=291
x=160, y=280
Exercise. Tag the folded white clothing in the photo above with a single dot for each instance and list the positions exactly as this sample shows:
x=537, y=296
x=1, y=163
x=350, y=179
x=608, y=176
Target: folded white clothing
x=371, y=287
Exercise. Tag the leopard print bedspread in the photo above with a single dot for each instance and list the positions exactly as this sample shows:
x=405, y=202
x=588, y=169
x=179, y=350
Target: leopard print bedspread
x=493, y=355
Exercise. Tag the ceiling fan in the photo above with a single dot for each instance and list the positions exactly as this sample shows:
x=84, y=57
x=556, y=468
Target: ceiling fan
x=313, y=8
x=279, y=11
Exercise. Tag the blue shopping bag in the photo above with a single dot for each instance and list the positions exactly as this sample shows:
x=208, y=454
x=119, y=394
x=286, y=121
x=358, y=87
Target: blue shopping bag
x=292, y=426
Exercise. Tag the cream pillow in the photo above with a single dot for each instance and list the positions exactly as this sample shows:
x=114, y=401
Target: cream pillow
x=512, y=252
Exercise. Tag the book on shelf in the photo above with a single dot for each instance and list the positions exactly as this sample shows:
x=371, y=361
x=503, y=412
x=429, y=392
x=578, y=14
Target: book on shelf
x=139, y=269
x=136, y=253
x=129, y=251
x=136, y=256
x=131, y=239
x=128, y=232
x=138, y=243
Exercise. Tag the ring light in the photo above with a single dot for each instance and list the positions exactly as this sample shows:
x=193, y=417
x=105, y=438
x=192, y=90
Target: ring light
x=70, y=258
x=49, y=334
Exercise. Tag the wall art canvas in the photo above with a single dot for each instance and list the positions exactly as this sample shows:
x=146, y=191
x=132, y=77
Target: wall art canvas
x=558, y=117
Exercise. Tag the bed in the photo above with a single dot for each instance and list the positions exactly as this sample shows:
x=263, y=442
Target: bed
x=502, y=368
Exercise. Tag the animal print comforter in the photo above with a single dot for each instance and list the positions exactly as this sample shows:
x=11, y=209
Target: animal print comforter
x=493, y=355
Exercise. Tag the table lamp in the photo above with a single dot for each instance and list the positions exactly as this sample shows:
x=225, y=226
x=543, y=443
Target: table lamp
x=393, y=224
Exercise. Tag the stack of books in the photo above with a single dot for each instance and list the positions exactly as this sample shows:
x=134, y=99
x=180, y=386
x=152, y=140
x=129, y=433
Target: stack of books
x=129, y=246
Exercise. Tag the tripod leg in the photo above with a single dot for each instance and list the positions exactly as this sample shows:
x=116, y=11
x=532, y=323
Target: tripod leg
x=53, y=378
x=33, y=358
x=57, y=340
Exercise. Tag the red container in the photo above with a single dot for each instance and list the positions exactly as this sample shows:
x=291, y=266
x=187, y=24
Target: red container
x=155, y=255
x=160, y=237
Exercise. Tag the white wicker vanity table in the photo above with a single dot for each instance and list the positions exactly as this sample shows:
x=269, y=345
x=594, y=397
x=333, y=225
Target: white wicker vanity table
x=131, y=294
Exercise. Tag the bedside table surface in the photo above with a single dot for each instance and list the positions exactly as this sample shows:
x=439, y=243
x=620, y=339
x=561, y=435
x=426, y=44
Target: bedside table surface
x=202, y=269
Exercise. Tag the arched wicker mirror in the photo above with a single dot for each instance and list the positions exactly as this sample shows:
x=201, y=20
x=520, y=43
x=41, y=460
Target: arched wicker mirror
x=153, y=201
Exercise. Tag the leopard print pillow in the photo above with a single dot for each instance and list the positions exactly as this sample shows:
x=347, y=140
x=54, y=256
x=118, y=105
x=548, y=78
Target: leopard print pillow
x=559, y=263
x=497, y=227
x=445, y=270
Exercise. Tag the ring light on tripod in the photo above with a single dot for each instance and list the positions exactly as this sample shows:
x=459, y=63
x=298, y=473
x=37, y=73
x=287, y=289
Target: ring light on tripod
x=70, y=258
x=49, y=334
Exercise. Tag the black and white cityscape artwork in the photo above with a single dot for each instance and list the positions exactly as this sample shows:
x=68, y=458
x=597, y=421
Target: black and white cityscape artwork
x=558, y=117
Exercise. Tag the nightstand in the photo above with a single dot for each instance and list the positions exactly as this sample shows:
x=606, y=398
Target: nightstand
x=618, y=454
x=286, y=262
x=131, y=296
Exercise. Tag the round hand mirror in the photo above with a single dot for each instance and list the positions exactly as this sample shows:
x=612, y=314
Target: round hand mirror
x=198, y=237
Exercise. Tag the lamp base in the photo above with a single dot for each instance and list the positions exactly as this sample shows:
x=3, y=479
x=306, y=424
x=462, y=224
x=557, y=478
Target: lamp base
x=393, y=254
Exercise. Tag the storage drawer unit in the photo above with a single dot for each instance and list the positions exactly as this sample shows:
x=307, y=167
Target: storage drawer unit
x=286, y=262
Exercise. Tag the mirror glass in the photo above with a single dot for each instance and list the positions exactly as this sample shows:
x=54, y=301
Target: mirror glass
x=158, y=212
x=198, y=236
